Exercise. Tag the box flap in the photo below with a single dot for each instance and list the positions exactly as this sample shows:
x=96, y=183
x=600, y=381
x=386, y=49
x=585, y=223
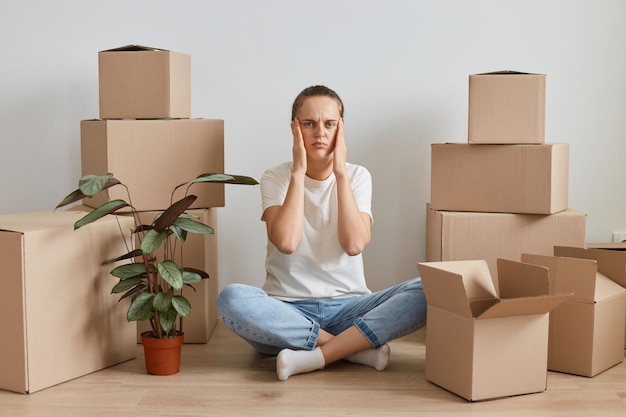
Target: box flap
x=517, y=279
x=134, y=48
x=574, y=275
x=611, y=263
x=453, y=285
x=524, y=306
x=606, y=287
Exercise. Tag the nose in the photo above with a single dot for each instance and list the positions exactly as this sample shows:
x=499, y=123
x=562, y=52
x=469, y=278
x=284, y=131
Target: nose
x=319, y=130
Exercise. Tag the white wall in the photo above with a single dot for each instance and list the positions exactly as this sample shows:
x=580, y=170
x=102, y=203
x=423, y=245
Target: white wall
x=400, y=66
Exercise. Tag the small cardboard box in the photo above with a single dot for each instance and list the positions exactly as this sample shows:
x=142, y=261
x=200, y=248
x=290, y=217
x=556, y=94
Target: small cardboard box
x=483, y=342
x=60, y=320
x=507, y=107
x=531, y=179
x=611, y=260
x=152, y=157
x=587, y=331
x=140, y=82
x=457, y=235
x=200, y=252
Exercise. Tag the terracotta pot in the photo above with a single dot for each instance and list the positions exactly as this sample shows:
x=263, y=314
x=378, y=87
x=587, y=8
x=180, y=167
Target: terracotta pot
x=162, y=355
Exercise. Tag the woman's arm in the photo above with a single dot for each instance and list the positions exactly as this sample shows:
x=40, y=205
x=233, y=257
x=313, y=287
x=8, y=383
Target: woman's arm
x=284, y=223
x=354, y=226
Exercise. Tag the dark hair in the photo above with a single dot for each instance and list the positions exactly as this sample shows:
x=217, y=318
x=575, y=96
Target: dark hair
x=315, y=91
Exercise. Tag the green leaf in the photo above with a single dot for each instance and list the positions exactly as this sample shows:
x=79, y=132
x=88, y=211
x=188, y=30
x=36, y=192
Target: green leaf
x=162, y=301
x=152, y=240
x=141, y=307
x=103, y=210
x=180, y=234
x=191, y=277
x=131, y=270
x=193, y=226
x=220, y=178
x=130, y=293
x=125, y=285
x=91, y=185
x=129, y=255
x=167, y=218
x=181, y=305
x=71, y=198
x=167, y=320
x=203, y=274
x=171, y=273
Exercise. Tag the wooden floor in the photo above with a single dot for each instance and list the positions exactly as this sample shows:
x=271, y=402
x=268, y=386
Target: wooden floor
x=227, y=378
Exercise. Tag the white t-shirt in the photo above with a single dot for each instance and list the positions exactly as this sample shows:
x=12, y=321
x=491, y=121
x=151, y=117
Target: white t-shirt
x=319, y=267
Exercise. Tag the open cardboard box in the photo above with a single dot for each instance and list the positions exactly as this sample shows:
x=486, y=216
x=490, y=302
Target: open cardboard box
x=611, y=261
x=586, y=331
x=59, y=319
x=141, y=82
x=484, y=342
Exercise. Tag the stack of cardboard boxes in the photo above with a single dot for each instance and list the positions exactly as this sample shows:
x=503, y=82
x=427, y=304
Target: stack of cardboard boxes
x=146, y=137
x=64, y=322
x=500, y=196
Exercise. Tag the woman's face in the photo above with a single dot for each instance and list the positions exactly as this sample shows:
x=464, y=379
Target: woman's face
x=319, y=117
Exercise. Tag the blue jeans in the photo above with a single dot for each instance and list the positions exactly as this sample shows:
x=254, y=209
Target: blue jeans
x=271, y=325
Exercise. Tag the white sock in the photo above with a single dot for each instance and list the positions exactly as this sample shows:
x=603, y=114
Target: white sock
x=292, y=362
x=376, y=358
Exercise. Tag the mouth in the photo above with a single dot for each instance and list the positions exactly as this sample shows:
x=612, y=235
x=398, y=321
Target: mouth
x=319, y=145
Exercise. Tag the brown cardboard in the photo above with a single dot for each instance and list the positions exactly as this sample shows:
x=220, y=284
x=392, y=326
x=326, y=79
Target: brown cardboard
x=587, y=331
x=611, y=263
x=456, y=236
x=484, y=342
x=64, y=323
x=507, y=107
x=152, y=157
x=531, y=179
x=200, y=252
x=144, y=83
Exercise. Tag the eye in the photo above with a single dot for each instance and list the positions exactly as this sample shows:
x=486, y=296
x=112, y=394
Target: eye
x=331, y=123
x=307, y=124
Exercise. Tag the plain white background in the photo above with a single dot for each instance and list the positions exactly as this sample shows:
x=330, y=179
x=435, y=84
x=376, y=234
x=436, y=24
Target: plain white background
x=401, y=67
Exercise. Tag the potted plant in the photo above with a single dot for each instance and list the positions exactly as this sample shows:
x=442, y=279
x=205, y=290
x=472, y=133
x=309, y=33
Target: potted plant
x=154, y=285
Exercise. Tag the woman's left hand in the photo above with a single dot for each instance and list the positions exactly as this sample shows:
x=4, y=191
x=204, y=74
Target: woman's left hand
x=340, y=150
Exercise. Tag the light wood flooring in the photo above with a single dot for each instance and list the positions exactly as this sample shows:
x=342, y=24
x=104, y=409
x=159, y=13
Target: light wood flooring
x=227, y=378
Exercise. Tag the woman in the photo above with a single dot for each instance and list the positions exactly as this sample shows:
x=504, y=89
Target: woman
x=315, y=307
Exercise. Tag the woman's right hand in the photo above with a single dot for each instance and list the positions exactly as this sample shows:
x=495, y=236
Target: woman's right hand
x=299, y=151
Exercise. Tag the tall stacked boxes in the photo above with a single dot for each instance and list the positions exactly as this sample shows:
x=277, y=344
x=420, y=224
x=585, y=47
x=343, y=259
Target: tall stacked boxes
x=146, y=137
x=501, y=194
x=506, y=183
x=59, y=321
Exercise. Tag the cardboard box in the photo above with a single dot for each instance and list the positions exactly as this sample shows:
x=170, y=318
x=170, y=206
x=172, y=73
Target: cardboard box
x=60, y=320
x=152, y=157
x=587, y=331
x=531, y=179
x=507, y=107
x=144, y=83
x=457, y=236
x=483, y=341
x=200, y=252
x=611, y=263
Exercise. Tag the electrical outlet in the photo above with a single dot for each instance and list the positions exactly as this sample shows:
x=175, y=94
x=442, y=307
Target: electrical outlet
x=619, y=236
